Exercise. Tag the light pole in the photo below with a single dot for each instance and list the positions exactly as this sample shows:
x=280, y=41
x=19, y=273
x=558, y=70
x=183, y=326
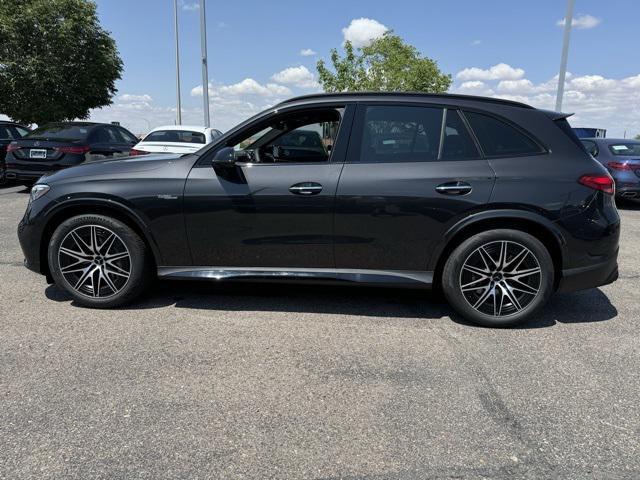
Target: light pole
x=205, y=72
x=568, y=20
x=178, y=103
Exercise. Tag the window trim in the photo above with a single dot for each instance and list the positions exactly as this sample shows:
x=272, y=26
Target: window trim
x=543, y=149
x=470, y=132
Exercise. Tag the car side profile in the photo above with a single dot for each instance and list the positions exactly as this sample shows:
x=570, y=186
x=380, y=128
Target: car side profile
x=622, y=158
x=175, y=139
x=56, y=146
x=494, y=202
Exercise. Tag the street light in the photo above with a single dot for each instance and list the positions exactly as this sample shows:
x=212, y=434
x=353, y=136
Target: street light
x=568, y=20
x=205, y=72
x=178, y=103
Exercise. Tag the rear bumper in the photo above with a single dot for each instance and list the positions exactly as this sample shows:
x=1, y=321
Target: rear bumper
x=591, y=276
x=18, y=169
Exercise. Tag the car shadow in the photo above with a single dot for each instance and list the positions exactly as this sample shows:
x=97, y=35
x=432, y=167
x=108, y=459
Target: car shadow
x=582, y=307
x=627, y=205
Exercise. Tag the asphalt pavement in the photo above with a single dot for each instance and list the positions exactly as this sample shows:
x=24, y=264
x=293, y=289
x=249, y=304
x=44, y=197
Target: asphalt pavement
x=256, y=381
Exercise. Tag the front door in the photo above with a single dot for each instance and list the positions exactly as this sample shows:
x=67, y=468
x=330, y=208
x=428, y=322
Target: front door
x=411, y=171
x=274, y=207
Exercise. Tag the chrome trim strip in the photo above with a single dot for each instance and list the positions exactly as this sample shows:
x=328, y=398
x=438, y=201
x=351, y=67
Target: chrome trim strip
x=343, y=274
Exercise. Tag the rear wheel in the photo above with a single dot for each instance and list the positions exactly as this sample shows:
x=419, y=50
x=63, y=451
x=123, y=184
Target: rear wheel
x=99, y=261
x=498, y=277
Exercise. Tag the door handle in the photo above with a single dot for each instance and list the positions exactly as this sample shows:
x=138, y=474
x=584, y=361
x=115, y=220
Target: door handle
x=306, y=188
x=454, y=188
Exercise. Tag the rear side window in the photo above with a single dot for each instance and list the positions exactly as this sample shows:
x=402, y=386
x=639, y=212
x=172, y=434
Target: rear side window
x=591, y=147
x=180, y=136
x=400, y=134
x=457, y=143
x=6, y=133
x=499, y=139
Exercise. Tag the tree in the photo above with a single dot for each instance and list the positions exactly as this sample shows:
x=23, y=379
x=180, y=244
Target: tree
x=638, y=137
x=388, y=64
x=56, y=61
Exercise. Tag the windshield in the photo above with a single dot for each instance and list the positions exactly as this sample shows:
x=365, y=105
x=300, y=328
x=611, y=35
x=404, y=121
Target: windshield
x=625, y=149
x=67, y=132
x=179, y=136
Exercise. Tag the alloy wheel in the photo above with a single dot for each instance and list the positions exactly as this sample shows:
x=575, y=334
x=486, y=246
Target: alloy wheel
x=94, y=261
x=500, y=278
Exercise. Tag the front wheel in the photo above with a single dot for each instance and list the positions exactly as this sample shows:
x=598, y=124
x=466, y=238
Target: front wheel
x=98, y=260
x=498, y=277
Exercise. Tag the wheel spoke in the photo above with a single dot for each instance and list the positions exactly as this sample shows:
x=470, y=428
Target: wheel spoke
x=519, y=258
x=475, y=284
x=75, y=267
x=477, y=271
x=95, y=282
x=489, y=262
x=107, y=244
x=519, y=286
x=80, y=243
x=523, y=273
x=84, y=277
x=73, y=254
x=503, y=255
x=116, y=256
x=105, y=274
x=511, y=296
x=483, y=298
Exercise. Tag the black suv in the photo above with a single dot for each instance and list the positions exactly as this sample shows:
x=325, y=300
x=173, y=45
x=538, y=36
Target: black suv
x=495, y=202
x=9, y=131
x=55, y=146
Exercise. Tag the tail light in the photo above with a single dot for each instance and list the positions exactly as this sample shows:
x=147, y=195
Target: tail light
x=135, y=153
x=618, y=166
x=76, y=149
x=12, y=147
x=603, y=183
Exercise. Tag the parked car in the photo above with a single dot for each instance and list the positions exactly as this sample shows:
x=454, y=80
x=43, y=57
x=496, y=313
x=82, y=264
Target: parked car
x=57, y=146
x=9, y=131
x=175, y=139
x=495, y=202
x=622, y=158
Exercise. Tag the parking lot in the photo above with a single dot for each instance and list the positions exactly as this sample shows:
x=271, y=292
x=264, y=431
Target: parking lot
x=274, y=381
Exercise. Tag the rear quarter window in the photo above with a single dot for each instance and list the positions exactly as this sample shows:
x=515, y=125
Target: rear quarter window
x=499, y=139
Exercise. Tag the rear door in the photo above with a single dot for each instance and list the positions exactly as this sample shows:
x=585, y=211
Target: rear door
x=411, y=171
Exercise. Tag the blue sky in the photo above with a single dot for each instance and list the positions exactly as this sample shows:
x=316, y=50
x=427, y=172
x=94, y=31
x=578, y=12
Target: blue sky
x=251, y=41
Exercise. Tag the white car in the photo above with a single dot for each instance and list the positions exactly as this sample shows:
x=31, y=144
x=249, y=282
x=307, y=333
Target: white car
x=175, y=139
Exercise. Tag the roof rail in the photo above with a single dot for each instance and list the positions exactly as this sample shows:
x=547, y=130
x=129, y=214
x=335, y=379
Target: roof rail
x=315, y=96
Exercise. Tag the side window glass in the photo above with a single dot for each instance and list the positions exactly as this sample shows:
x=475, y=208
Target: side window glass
x=128, y=137
x=499, y=139
x=6, y=133
x=400, y=134
x=591, y=147
x=307, y=137
x=100, y=135
x=114, y=135
x=21, y=132
x=457, y=142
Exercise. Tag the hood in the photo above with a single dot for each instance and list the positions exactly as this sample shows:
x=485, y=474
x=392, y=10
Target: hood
x=120, y=168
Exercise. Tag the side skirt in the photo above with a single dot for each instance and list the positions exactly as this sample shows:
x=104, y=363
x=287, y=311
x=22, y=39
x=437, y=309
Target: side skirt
x=391, y=278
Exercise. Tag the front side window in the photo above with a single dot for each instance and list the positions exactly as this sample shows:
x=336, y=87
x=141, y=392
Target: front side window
x=177, y=136
x=306, y=137
x=499, y=139
x=400, y=134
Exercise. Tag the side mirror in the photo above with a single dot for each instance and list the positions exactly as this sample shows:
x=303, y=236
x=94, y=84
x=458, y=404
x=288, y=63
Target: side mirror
x=225, y=157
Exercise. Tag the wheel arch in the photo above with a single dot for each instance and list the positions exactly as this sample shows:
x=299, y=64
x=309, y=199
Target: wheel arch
x=110, y=208
x=528, y=222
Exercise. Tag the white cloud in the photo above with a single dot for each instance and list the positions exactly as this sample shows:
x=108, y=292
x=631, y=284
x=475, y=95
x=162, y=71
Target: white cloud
x=128, y=98
x=189, y=6
x=597, y=101
x=307, y=52
x=476, y=42
x=362, y=31
x=248, y=86
x=501, y=71
x=581, y=21
x=296, y=76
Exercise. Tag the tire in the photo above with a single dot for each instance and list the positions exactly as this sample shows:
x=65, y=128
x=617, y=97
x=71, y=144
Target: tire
x=99, y=261
x=505, y=295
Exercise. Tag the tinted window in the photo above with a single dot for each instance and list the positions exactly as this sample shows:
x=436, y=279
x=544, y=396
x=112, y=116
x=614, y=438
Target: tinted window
x=457, y=142
x=180, y=136
x=499, y=139
x=400, y=134
x=6, y=133
x=591, y=147
x=632, y=149
x=306, y=137
x=22, y=131
x=127, y=136
x=60, y=132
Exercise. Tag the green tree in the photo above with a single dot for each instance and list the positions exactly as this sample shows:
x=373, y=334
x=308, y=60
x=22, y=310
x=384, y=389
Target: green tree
x=388, y=64
x=638, y=137
x=56, y=61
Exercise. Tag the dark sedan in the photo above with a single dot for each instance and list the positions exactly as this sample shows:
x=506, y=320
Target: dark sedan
x=622, y=159
x=9, y=131
x=57, y=146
